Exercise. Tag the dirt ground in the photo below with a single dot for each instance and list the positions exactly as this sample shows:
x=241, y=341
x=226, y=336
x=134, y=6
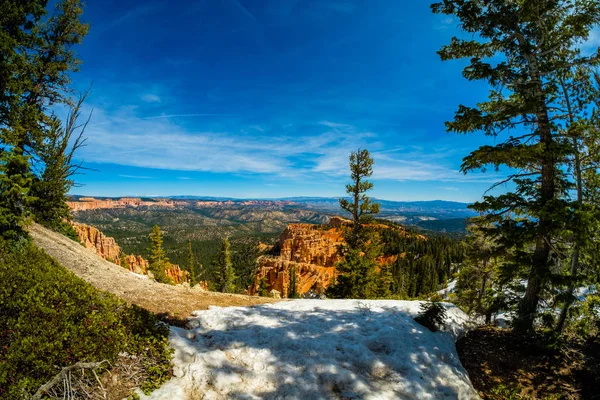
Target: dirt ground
x=503, y=365
x=171, y=303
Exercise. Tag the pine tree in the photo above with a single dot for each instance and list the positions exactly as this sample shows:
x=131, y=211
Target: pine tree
x=580, y=89
x=158, y=258
x=56, y=153
x=224, y=267
x=192, y=264
x=15, y=184
x=532, y=41
x=36, y=58
x=474, y=288
x=123, y=261
x=244, y=264
x=357, y=271
x=360, y=206
x=293, y=290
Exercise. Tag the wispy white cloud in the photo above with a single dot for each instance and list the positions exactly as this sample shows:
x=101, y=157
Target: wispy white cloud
x=159, y=142
x=444, y=22
x=150, y=98
x=136, y=177
x=132, y=14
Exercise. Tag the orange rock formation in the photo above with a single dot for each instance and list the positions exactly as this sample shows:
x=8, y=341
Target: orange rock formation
x=107, y=248
x=309, y=251
x=90, y=203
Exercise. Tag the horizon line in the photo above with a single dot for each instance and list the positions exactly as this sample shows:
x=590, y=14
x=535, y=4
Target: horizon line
x=289, y=198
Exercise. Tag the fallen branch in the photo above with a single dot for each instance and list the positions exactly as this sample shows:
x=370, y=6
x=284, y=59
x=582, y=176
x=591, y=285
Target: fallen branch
x=62, y=374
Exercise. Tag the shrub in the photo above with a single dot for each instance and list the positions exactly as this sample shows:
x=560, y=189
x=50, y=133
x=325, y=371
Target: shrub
x=432, y=316
x=51, y=319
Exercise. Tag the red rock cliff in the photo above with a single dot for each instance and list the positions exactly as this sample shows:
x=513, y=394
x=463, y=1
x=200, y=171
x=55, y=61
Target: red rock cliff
x=107, y=248
x=309, y=251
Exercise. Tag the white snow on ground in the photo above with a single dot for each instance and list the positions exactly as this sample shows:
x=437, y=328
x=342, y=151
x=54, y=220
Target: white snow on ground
x=317, y=349
x=448, y=289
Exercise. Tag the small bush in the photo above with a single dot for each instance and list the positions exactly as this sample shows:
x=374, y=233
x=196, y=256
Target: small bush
x=432, y=316
x=51, y=319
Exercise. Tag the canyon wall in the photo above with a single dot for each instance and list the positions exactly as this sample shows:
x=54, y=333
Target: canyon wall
x=90, y=203
x=308, y=251
x=107, y=248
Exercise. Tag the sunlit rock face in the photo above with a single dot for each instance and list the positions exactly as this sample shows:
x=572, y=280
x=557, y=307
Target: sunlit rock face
x=90, y=203
x=307, y=251
x=310, y=252
x=107, y=248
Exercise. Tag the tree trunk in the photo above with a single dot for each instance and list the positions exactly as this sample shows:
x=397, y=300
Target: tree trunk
x=483, y=285
x=540, y=268
x=575, y=260
x=355, y=214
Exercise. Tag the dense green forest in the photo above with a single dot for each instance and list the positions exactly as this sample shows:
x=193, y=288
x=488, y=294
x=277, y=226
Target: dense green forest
x=425, y=263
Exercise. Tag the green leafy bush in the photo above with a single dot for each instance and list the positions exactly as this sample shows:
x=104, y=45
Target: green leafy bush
x=432, y=316
x=50, y=319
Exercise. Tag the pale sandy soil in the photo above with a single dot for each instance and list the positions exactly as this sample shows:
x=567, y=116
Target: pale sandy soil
x=173, y=302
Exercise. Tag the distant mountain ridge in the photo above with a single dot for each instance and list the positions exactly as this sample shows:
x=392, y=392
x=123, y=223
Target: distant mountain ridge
x=450, y=215
x=324, y=201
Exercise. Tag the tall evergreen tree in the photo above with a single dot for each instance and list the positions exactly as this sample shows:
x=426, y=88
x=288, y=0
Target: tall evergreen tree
x=192, y=264
x=158, y=258
x=580, y=89
x=36, y=57
x=360, y=205
x=519, y=48
x=51, y=186
x=224, y=266
x=475, y=287
x=244, y=264
x=293, y=289
x=357, y=271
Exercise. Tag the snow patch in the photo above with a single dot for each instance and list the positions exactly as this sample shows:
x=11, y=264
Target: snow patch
x=317, y=349
x=451, y=288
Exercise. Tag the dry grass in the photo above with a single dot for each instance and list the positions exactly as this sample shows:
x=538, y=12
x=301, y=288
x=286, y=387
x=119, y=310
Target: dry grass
x=172, y=303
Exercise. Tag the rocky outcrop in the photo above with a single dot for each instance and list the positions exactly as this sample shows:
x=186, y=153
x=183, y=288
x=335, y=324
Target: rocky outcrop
x=307, y=251
x=310, y=253
x=107, y=248
x=310, y=244
x=136, y=264
x=90, y=203
x=176, y=274
x=275, y=274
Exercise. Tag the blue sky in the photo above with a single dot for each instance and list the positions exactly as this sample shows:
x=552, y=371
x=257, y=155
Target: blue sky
x=267, y=98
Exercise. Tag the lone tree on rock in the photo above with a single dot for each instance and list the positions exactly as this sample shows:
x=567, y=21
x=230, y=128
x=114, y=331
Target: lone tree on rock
x=357, y=276
x=360, y=205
